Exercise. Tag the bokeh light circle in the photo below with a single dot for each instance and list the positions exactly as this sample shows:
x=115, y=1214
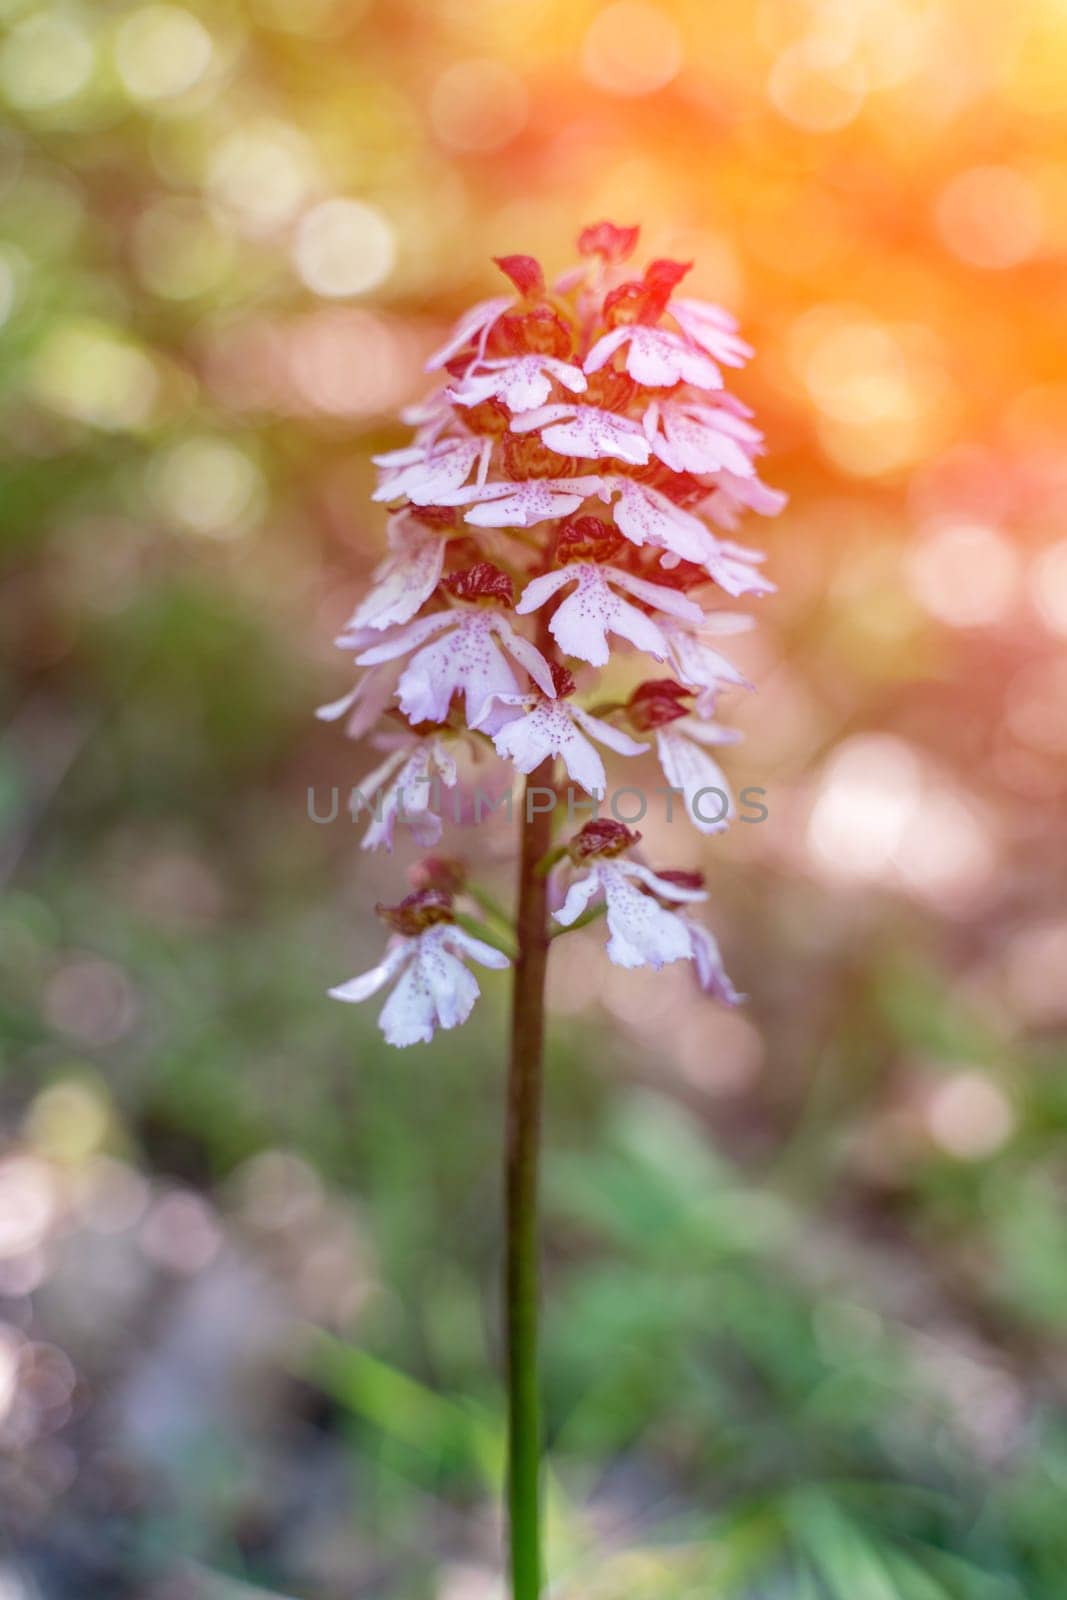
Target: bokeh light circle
x=208, y=486
x=965, y=574
x=1048, y=586
x=631, y=49
x=261, y=175
x=990, y=217
x=478, y=105
x=344, y=247
x=161, y=51
x=46, y=59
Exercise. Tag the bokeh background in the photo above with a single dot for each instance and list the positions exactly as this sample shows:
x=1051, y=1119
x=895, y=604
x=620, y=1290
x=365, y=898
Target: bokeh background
x=806, y=1263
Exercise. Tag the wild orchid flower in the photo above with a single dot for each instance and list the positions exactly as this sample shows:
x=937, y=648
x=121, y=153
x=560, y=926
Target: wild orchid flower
x=552, y=514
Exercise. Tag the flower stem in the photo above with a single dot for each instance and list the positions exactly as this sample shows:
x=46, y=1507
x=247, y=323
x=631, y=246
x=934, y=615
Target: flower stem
x=521, y=1251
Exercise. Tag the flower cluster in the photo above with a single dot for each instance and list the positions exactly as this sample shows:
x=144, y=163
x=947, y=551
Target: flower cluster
x=569, y=494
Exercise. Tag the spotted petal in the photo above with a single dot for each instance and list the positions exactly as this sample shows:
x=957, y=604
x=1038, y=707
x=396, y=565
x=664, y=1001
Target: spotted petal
x=404, y=581
x=588, y=432
x=656, y=358
x=713, y=329
x=522, y=383
x=643, y=934
x=521, y=505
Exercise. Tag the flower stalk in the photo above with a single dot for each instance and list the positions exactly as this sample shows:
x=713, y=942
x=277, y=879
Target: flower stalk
x=522, y=1162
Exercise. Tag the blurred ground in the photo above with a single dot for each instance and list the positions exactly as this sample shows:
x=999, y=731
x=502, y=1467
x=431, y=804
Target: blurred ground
x=805, y=1263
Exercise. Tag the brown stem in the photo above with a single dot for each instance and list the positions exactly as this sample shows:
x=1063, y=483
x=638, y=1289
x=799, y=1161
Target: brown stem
x=523, y=1148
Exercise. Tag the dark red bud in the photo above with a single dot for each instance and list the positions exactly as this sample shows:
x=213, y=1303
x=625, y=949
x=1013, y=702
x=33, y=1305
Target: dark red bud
x=664, y=276
x=418, y=911
x=434, y=516
x=586, y=539
x=682, y=879
x=483, y=581
x=525, y=273
x=538, y=331
x=601, y=837
x=657, y=702
x=608, y=240
x=644, y=301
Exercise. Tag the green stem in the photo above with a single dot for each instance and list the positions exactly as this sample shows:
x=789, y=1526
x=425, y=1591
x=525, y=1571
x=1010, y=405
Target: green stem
x=497, y=937
x=521, y=1253
x=487, y=903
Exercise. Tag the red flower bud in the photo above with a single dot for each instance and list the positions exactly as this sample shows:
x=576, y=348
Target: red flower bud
x=644, y=300
x=539, y=331
x=483, y=581
x=586, y=539
x=682, y=879
x=657, y=702
x=601, y=837
x=525, y=273
x=608, y=240
x=418, y=911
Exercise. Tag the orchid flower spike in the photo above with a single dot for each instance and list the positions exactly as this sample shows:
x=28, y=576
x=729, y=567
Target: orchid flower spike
x=568, y=499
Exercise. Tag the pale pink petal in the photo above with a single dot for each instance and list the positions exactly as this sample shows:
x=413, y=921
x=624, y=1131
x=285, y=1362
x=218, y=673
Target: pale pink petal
x=697, y=665
x=368, y=787
x=337, y=708
x=582, y=623
x=406, y=638
x=733, y=568
x=521, y=505
x=714, y=329
x=707, y=959
x=409, y=1016
x=478, y=320
x=435, y=471
x=661, y=886
x=526, y=740
x=548, y=729
x=607, y=734
x=410, y=797
x=693, y=441
x=659, y=595
x=579, y=895
x=526, y=654
x=710, y=733
x=734, y=495
x=588, y=432
x=646, y=516
x=521, y=383
x=643, y=934
x=689, y=768
x=454, y=989
x=397, y=953
x=581, y=760
x=538, y=590
x=466, y=661
x=477, y=949
x=406, y=580
x=656, y=358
